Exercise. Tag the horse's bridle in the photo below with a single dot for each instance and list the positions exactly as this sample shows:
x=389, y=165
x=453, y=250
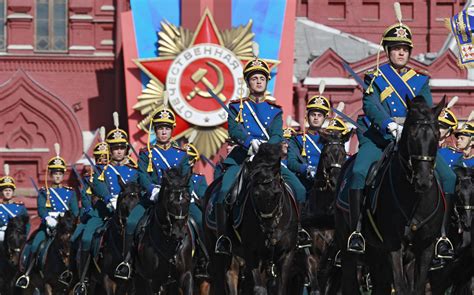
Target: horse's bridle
x=172, y=216
x=421, y=158
x=326, y=179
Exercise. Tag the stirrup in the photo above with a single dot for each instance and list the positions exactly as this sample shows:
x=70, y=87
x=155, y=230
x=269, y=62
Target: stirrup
x=119, y=275
x=66, y=277
x=306, y=239
x=436, y=266
x=355, y=234
x=80, y=289
x=26, y=283
x=219, y=242
x=445, y=239
x=337, y=259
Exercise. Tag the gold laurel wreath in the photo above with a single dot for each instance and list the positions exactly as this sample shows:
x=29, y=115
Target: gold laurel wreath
x=172, y=41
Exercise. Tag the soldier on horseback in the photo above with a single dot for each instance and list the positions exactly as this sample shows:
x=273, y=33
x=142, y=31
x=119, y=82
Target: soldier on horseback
x=94, y=210
x=153, y=160
x=447, y=124
x=253, y=120
x=9, y=208
x=52, y=201
x=385, y=108
x=465, y=142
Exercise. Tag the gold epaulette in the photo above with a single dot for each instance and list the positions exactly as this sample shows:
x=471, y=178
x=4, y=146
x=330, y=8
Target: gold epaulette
x=131, y=163
x=421, y=72
x=18, y=202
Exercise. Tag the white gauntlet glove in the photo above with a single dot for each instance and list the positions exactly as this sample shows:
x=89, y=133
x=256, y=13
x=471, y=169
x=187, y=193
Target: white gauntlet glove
x=311, y=172
x=2, y=233
x=112, y=203
x=155, y=192
x=395, y=129
x=51, y=222
x=255, y=143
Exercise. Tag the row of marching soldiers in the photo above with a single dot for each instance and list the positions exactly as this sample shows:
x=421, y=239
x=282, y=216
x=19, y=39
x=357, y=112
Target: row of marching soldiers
x=258, y=118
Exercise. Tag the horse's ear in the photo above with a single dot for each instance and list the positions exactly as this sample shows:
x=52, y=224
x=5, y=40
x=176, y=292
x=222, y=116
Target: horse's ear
x=346, y=137
x=439, y=107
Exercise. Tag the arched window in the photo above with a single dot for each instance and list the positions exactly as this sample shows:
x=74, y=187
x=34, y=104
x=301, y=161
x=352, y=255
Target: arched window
x=51, y=25
x=2, y=25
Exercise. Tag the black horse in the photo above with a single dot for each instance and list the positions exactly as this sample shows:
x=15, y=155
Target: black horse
x=164, y=260
x=408, y=212
x=111, y=253
x=57, y=256
x=10, y=250
x=318, y=215
x=458, y=273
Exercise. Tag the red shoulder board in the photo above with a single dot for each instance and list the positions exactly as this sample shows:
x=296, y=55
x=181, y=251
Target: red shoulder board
x=237, y=100
x=18, y=202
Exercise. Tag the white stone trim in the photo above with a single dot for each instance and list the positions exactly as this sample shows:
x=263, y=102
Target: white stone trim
x=107, y=54
x=81, y=47
x=107, y=42
x=107, y=8
x=451, y=83
x=19, y=16
x=333, y=81
x=33, y=150
x=81, y=17
x=20, y=47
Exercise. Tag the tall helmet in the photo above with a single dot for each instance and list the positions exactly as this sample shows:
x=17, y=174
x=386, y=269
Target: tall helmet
x=57, y=163
x=256, y=65
x=319, y=102
x=397, y=34
x=117, y=136
x=7, y=181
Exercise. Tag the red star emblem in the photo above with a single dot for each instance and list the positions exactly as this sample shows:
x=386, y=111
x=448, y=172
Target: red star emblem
x=196, y=75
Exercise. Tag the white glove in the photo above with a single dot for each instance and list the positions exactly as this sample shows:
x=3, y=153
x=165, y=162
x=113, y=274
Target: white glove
x=112, y=203
x=2, y=233
x=155, y=192
x=311, y=171
x=51, y=222
x=395, y=129
x=255, y=143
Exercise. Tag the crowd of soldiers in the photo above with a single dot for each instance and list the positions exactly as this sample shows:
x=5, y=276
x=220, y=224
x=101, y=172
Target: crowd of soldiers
x=253, y=120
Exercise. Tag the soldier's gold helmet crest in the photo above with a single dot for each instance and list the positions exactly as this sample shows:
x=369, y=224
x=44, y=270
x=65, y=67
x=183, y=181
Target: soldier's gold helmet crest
x=319, y=102
x=446, y=118
x=57, y=163
x=337, y=124
x=466, y=130
x=7, y=181
x=164, y=117
x=101, y=149
x=288, y=132
x=117, y=136
x=192, y=151
x=399, y=33
x=256, y=65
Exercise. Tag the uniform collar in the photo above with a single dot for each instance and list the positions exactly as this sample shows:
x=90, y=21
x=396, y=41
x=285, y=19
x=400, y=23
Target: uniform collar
x=121, y=163
x=312, y=132
x=7, y=202
x=57, y=186
x=257, y=99
x=165, y=146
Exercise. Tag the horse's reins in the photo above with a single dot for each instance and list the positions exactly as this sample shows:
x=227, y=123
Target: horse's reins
x=326, y=175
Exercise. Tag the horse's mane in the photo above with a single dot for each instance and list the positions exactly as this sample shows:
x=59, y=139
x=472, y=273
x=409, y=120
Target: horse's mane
x=66, y=222
x=268, y=155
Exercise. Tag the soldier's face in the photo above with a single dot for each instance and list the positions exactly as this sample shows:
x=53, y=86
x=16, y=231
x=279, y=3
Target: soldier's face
x=57, y=177
x=118, y=153
x=163, y=134
x=284, y=148
x=7, y=193
x=258, y=83
x=463, y=142
x=316, y=119
x=399, y=55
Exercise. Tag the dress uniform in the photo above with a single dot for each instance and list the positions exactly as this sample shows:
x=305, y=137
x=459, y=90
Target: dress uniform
x=463, y=160
x=52, y=201
x=9, y=208
x=447, y=120
x=93, y=213
x=197, y=185
x=388, y=89
x=305, y=148
x=254, y=120
x=153, y=160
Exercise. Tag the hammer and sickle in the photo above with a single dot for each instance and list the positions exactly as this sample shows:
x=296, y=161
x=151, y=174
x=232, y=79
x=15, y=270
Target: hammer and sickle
x=199, y=76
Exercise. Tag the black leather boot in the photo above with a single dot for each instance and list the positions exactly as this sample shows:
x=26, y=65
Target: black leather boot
x=444, y=248
x=304, y=238
x=223, y=243
x=24, y=280
x=81, y=287
x=124, y=269
x=356, y=242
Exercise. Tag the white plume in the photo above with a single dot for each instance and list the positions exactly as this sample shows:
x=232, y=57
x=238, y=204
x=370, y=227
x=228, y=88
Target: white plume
x=255, y=49
x=398, y=11
x=322, y=86
x=57, y=149
x=116, y=119
x=166, y=97
x=471, y=116
x=340, y=106
x=102, y=134
x=289, y=120
x=453, y=101
x=6, y=169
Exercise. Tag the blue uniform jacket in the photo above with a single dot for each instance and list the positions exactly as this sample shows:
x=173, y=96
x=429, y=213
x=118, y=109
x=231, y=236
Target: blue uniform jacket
x=296, y=162
x=197, y=185
x=113, y=175
x=11, y=210
x=450, y=155
x=465, y=162
x=61, y=199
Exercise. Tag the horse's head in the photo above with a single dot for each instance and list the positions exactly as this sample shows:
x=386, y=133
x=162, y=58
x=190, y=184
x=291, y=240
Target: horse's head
x=64, y=230
x=174, y=200
x=266, y=185
x=419, y=142
x=465, y=196
x=15, y=237
x=128, y=198
x=332, y=158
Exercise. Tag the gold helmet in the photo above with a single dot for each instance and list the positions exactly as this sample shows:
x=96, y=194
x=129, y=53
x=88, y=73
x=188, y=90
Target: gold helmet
x=467, y=129
x=337, y=124
x=399, y=33
x=256, y=65
x=117, y=136
x=101, y=149
x=7, y=181
x=192, y=151
x=57, y=163
x=319, y=102
x=446, y=118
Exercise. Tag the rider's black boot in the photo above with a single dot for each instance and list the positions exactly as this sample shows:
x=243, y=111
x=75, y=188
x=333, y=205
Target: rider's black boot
x=124, y=269
x=223, y=243
x=444, y=247
x=24, y=280
x=356, y=242
x=81, y=287
x=304, y=239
